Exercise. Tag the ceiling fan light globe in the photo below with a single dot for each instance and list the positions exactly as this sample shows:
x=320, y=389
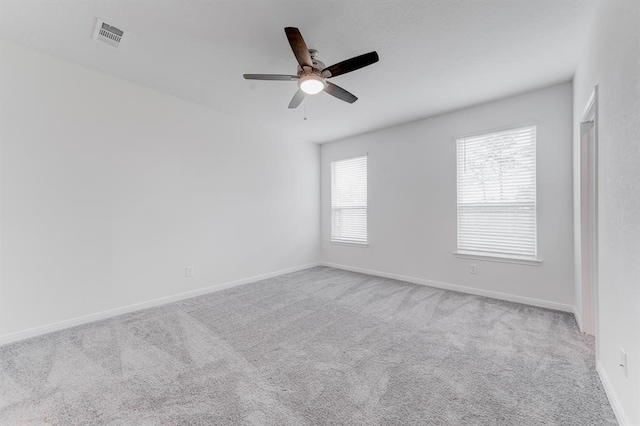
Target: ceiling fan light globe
x=312, y=84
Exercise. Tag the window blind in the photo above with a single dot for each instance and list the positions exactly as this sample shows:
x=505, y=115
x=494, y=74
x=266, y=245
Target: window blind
x=349, y=200
x=497, y=193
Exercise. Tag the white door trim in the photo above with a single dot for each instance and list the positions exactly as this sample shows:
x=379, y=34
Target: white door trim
x=589, y=214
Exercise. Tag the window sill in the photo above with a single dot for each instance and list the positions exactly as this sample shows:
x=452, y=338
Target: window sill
x=502, y=258
x=349, y=243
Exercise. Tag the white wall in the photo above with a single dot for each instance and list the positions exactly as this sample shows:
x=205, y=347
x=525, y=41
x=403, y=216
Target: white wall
x=612, y=61
x=412, y=200
x=110, y=189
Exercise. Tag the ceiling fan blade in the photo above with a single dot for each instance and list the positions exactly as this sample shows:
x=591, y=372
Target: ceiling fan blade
x=276, y=77
x=351, y=64
x=299, y=47
x=340, y=93
x=297, y=98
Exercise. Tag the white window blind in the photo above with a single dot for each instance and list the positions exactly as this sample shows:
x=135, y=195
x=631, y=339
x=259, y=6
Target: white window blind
x=349, y=200
x=497, y=193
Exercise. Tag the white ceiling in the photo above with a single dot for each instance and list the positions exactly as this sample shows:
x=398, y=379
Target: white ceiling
x=435, y=55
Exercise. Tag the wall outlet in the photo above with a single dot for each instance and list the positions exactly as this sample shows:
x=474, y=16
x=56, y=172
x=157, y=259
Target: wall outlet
x=189, y=271
x=473, y=268
x=623, y=361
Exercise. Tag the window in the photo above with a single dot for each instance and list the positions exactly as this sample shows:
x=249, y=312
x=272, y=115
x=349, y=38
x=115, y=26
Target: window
x=349, y=200
x=497, y=194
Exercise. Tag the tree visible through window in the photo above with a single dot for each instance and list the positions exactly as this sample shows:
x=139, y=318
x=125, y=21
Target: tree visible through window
x=497, y=193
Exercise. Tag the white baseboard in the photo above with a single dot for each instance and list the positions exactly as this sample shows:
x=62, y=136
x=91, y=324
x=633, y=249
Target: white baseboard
x=611, y=395
x=578, y=317
x=72, y=322
x=462, y=289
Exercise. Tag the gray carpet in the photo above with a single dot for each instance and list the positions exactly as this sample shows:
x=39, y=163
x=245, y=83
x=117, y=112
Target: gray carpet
x=320, y=346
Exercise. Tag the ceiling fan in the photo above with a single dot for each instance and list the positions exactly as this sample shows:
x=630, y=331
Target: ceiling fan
x=312, y=74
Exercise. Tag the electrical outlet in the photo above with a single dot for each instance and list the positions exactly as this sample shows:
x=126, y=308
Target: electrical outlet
x=189, y=271
x=473, y=268
x=623, y=361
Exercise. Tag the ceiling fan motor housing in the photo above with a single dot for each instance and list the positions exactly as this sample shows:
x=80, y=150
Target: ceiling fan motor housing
x=310, y=79
x=318, y=65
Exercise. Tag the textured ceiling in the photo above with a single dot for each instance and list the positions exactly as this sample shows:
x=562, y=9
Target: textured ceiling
x=435, y=56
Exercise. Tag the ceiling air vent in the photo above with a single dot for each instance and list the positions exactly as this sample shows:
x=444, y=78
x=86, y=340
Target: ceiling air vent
x=107, y=33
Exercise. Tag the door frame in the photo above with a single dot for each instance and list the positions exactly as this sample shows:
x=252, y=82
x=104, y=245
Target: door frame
x=589, y=237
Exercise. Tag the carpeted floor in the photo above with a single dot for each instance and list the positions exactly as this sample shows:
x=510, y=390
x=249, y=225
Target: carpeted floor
x=320, y=346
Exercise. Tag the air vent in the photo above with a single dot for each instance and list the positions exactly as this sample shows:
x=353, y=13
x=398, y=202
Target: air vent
x=107, y=33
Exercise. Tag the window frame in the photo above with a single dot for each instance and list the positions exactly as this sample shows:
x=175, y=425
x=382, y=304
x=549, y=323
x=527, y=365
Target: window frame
x=533, y=260
x=344, y=241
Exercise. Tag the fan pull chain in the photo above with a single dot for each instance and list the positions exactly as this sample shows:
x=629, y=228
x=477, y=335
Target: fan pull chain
x=305, y=110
